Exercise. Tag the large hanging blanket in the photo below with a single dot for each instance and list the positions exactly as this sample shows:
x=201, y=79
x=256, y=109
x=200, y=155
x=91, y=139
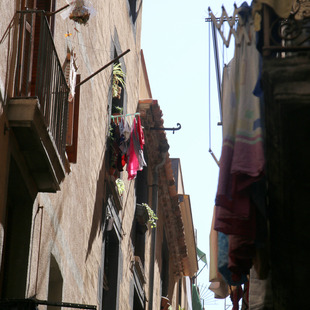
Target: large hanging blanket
x=242, y=159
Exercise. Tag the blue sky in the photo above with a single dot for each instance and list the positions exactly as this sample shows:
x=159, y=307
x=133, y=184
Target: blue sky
x=175, y=43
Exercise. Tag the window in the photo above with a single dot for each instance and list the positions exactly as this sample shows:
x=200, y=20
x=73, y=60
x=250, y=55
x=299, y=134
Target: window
x=17, y=231
x=133, y=10
x=110, y=278
x=137, y=304
x=164, y=268
x=112, y=255
x=138, y=240
x=138, y=230
x=118, y=107
x=118, y=82
x=180, y=292
x=55, y=284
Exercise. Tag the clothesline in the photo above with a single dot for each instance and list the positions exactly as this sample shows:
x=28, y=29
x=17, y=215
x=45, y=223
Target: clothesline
x=124, y=115
x=231, y=21
x=117, y=118
x=127, y=145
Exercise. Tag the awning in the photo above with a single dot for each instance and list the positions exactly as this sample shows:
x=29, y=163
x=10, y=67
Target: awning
x=196, y=298
x=201, y=256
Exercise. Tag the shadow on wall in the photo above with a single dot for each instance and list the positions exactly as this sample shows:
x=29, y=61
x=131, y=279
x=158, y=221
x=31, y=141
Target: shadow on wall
x=1, y=98
x=99, y=213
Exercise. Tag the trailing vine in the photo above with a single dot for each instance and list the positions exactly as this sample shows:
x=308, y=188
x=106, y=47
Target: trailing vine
x=152, y=216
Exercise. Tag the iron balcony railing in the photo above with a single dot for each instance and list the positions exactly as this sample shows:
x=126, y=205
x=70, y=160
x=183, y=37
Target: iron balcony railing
x=39, y=74
x=287, y=36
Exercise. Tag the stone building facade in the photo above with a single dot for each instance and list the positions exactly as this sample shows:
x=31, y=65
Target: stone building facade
x=68, y=237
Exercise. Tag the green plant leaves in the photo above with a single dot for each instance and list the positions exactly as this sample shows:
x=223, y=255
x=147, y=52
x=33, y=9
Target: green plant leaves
x=117, y=80
x=120, y=186
x=152, y=216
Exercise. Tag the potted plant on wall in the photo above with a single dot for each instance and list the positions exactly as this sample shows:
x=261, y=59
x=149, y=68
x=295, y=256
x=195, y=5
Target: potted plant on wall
x=117, y=80
x=145, y=214
x=120, y=186
x=78, y=10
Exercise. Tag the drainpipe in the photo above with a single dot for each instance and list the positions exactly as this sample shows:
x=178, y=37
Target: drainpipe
x=153, y=240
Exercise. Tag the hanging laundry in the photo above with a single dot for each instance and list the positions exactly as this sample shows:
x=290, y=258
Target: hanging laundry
x=125, y=132
x=235, y=295
x=70, y=71
x=127, y=144
x=116, y=155
x=260, y=292
x=136, y=160
x=242, y=159
x=218, y=286
x=230, y=277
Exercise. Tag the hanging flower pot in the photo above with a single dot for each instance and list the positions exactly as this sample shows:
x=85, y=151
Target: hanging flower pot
x=79, y=11
x=144, y=215
x=141, y=214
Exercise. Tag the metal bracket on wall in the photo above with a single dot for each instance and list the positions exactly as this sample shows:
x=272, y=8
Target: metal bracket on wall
x=59, y=10
x=173, y=129
x=214, y=157
x=104, y=67
x=64, y=304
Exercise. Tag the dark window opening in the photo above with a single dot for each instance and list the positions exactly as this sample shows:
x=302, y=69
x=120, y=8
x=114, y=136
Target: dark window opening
x=137, y=303
x=110, y=278
x=117, y=96
x=138, y=241
x=55, y=284
x=116, y=161
x=138, y=235
x=16, y=236
x=142, y=183
x=165, y=268
x=180, y=292
x=133, y=10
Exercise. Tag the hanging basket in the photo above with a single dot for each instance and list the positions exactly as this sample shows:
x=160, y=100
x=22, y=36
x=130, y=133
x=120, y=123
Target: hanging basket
x=79, y=11
x=141, y=214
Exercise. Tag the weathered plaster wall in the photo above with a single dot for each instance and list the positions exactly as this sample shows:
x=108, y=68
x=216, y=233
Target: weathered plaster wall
x=7, y=7
x=69, y=224
x=72, y=218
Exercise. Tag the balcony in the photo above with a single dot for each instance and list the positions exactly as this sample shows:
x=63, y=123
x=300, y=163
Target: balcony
x=38, y=110
x=286, y=85
x=286, y=37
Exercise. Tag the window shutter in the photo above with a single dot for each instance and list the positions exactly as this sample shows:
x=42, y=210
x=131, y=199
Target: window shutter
x=73, y=124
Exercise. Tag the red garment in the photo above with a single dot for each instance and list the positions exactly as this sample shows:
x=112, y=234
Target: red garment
x=133, y=163
x=135, y=154
x=235, y=296
x=241, y=253
x=140, y=132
